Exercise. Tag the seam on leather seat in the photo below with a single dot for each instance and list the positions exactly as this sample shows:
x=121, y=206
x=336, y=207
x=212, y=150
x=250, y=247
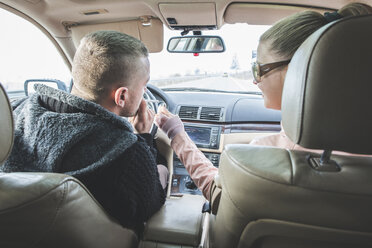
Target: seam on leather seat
x=70, y=178
x=48, y=229
x=292, y=167
x=252, y=173
x=197, y=232
x=11, y=121
x=292, y=178
x=91, y=196
x=35, y=199
x=229, y=196
x=235, y=205
x=73, y=179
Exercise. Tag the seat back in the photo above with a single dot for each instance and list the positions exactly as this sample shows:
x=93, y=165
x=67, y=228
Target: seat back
x=6, y=126
x=274, y=197
x=50, y=210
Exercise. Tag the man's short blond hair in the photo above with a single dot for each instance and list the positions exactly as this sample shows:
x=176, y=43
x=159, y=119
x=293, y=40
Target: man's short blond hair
x=103, y=59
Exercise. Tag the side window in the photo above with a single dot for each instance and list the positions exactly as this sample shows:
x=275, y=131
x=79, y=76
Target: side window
x=26, y=53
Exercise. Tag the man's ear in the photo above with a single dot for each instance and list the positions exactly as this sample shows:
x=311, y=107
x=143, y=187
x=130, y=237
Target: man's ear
x=121, y=95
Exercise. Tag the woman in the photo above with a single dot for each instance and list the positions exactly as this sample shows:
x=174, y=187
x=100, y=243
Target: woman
x=275, y=50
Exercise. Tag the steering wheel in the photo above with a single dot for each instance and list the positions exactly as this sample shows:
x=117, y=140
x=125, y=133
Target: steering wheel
x=153, y=104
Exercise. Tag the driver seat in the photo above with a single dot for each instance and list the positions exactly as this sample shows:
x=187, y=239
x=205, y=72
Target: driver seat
x=50, y=210
x=273, y=197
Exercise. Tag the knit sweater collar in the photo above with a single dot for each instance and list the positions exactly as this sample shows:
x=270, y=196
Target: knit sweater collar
x=79, y=139
x=63, y=102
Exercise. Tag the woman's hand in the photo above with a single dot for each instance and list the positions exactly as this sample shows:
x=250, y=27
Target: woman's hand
x=169, y=123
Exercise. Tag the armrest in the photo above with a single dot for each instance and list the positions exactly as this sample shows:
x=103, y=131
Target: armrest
x=179, y=221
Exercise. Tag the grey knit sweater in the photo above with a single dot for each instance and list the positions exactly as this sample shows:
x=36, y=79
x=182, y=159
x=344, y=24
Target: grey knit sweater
x=59, y=132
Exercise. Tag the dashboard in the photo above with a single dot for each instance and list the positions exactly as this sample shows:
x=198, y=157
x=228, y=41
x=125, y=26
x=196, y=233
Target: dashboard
x=213, y=120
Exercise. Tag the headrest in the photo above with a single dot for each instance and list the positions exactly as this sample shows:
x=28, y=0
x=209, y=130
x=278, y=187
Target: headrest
x=6, y=126
x=327, y=95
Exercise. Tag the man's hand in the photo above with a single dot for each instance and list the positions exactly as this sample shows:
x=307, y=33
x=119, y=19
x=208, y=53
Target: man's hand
x=144, y=118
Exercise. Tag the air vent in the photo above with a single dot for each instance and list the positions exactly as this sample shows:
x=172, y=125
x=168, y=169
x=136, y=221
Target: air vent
x=187, y=112
x=212, y=114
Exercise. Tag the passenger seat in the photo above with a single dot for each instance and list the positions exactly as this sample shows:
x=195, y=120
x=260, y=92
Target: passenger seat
x=273, y=197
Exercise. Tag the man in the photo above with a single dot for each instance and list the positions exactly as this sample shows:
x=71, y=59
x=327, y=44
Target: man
x=84, y=135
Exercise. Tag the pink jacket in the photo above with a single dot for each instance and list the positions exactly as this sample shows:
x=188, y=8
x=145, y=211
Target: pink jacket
x=201, y=170
x=280, y=140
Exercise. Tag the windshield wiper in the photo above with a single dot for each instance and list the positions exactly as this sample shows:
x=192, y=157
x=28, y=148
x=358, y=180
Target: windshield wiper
x=211, y=90
x=185, y=89
x=245, y=92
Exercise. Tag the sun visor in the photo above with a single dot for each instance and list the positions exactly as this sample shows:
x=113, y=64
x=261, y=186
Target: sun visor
x=252, y=13
x=197, y=15
x=149, y=31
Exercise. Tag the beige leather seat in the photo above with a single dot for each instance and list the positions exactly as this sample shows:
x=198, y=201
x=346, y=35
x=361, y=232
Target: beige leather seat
x=273, y=197
x=50, y=210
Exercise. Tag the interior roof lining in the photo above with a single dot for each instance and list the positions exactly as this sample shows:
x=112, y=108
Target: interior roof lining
x=54, y=38
x=285, y=4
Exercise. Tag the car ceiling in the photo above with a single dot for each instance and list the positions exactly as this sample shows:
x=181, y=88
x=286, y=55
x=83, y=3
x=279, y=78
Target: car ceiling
x=55, y=17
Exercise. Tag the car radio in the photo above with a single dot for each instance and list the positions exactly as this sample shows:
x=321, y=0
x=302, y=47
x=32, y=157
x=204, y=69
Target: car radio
x=204, y=136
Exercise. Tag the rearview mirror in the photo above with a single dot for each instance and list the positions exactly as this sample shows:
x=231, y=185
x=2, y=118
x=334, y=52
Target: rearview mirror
x=196, y=44
x=54, y=83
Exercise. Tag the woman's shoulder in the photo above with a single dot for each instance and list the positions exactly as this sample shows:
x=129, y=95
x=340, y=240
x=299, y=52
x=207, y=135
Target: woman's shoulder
x=279, y=140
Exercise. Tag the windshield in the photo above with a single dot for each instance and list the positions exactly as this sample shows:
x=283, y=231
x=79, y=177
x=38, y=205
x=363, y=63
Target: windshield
x=229, y=71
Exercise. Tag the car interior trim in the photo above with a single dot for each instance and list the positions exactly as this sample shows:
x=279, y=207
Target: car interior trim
x=151, y=36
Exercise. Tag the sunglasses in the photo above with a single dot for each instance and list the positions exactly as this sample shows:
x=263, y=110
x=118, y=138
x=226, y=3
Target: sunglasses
x=259, y=70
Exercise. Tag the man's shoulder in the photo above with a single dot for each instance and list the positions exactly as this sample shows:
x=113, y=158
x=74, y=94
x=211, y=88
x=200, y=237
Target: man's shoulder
x=145, y=137
x=141, y=143
x=18, y=102
x=140, y=150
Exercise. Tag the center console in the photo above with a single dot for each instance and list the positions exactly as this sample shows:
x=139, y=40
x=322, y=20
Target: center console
x=206, y=137
x=179, y=223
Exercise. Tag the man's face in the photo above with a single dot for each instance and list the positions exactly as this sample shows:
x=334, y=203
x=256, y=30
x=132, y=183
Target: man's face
x=137, y=87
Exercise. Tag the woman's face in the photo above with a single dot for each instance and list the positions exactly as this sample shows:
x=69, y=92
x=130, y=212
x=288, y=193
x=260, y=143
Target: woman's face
x=271, y=83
